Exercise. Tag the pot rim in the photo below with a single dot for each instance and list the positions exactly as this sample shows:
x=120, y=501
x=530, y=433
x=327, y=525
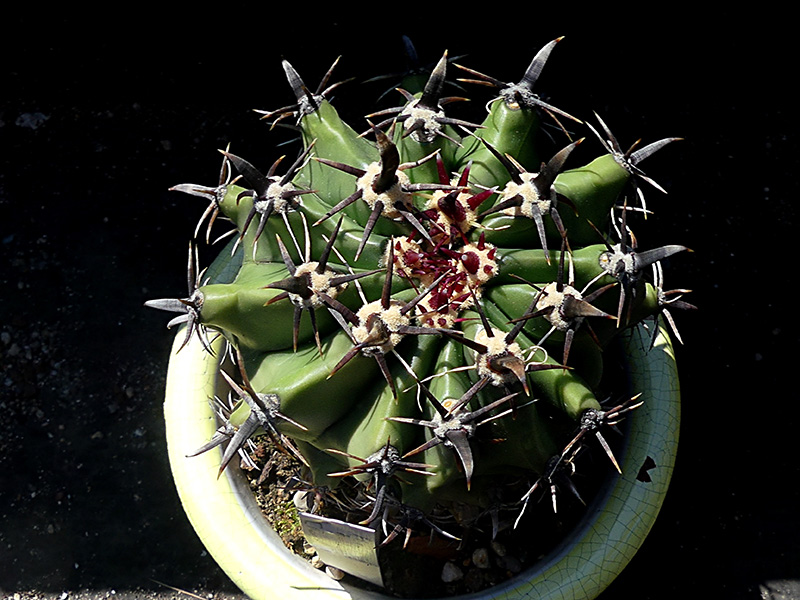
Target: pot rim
x=228, y=521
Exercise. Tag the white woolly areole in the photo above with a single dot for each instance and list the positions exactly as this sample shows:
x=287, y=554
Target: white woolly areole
x=426, y=116
x=318, y=282
x=442, y=219
x=275, y=197
x=392, y=319
x=496, y=347
x=551, y=297
x=441, y=427
x=487, y=267
x=390, y=197
x=532, y=203
x=609, y=261
x=406, y=252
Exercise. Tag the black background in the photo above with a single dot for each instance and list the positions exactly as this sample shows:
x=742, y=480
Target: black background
x=99, y=115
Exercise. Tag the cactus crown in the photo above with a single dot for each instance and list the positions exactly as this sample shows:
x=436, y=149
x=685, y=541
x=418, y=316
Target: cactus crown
x=426, y=312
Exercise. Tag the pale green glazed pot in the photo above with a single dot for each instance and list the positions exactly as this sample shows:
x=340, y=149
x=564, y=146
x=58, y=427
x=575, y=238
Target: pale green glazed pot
x=230, y=525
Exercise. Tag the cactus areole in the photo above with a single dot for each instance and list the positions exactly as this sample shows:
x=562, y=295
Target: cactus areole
x=457, y=343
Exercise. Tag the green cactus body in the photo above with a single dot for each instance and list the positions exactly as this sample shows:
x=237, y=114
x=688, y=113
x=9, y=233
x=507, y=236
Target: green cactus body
x=336, y=140
x=510, y=129
x=443, y=306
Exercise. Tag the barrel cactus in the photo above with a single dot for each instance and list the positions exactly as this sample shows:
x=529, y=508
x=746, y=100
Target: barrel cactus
x=429, y=308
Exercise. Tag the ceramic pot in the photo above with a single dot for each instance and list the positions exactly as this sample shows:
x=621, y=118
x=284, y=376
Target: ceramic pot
x=227, y=519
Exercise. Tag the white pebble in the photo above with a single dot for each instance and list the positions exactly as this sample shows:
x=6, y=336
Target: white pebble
x=451, y=573
x=480, y=558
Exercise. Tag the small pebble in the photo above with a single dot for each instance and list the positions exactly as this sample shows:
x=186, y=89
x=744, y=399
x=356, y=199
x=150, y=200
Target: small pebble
x=334, y=573
x=480, y=558
x=451, y=572
x=498, y=548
